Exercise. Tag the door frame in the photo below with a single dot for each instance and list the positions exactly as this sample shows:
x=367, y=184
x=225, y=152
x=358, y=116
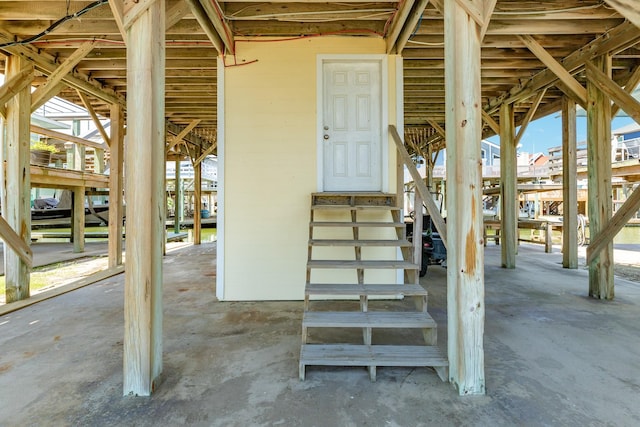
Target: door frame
x=384, y=111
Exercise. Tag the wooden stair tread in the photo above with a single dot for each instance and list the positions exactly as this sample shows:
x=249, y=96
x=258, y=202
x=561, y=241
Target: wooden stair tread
x=360, y=242
x=368, y=319
x=356, y=224
x=356, y=289
x=366, y=355
x=356, y=208
x=377, y=264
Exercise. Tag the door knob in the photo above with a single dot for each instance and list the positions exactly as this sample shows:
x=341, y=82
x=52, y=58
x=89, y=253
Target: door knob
x=326, y=136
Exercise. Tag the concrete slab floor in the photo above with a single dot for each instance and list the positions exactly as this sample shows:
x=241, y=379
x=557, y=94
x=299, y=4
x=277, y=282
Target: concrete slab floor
x=552, y=357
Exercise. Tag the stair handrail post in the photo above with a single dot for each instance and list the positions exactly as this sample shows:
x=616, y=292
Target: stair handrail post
x=421, y=187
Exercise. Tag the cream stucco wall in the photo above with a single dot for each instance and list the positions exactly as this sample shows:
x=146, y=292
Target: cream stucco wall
x=270, y=162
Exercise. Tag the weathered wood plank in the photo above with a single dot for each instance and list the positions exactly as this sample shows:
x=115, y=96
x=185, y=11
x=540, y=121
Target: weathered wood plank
x=16, y=206
x=508, y=188
x=620, y=97
x=362, y=355
x=60, y=290
x=145, y=201
x=465, y=255
x=64, y=137
x=357, y=289
x=433, y=210
x=50, y=88
x=14, y=241
x=569, y=185
x=630, y=9
x=601, y=284
x=359, y=242
x=116, y=185
x=556, y=67
x=373, y=319
x=368, y=264
x=77, y=218
x=356, y=224
x=13, y=85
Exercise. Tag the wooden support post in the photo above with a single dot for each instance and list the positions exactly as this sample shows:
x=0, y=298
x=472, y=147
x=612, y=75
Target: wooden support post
x=599, y=181
x=508, y=187
x=178, y=205
x=77, y=220
x=569, y=185
x=144, y=157
x=197, y=196
x=417, y=228
x=79, y=151
x=465, y=257
x=116, y=185
x=16, y=181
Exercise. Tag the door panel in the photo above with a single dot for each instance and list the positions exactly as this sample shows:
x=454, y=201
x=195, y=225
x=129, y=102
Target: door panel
x=352, y=105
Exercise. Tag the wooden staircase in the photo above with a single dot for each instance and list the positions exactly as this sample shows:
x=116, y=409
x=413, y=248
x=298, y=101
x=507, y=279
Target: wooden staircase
x=353, y=262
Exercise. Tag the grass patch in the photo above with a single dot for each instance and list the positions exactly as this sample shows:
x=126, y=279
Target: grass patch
x=61, y=273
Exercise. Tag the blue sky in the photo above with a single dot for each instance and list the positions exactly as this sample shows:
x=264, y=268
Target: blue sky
x=546, y=132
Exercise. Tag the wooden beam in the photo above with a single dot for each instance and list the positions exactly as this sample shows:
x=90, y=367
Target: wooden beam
x=630, y=9
x=176, y=12
x=611, y=229
x=132, y=10
x=54, y=91
x=508, y=187
x=14, y=241
x=465, y=255
x=488, y=7
x=116, y=185
x=556, y=67
x=437, y=127
x=492, y=123
x=206, y=25
x=398, y=23
x=197, y=196
x=94, y=117
x=410, y=25
x=60, y=290
x=569, y=185
x=427, y=198
x=601, y=284
x=145, y=200
x=65, y=178
x=64, y=137
x=206, y=152
x=215, y=15
x=117, y=8
x=628, y=103
x=47, y=63
x=179, y=137
x=620, y=37
x=51, y=86
x=77, y=219
x=474, y=10
x=630, y=86
x=16, y=83
x=529, y=116
x=16, y=202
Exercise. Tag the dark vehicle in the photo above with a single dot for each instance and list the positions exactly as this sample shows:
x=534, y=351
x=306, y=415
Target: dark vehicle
x=433, y=250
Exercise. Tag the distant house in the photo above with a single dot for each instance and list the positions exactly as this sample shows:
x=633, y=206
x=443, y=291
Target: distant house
x=625, y=143
x=490, y=153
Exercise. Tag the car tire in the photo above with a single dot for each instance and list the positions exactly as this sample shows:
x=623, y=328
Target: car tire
x=423, y=266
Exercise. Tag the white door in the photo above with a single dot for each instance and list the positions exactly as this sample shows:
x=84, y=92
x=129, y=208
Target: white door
x=351, y=126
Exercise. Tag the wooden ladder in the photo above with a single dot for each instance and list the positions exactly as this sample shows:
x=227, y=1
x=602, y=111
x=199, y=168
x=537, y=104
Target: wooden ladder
x=370, y=223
